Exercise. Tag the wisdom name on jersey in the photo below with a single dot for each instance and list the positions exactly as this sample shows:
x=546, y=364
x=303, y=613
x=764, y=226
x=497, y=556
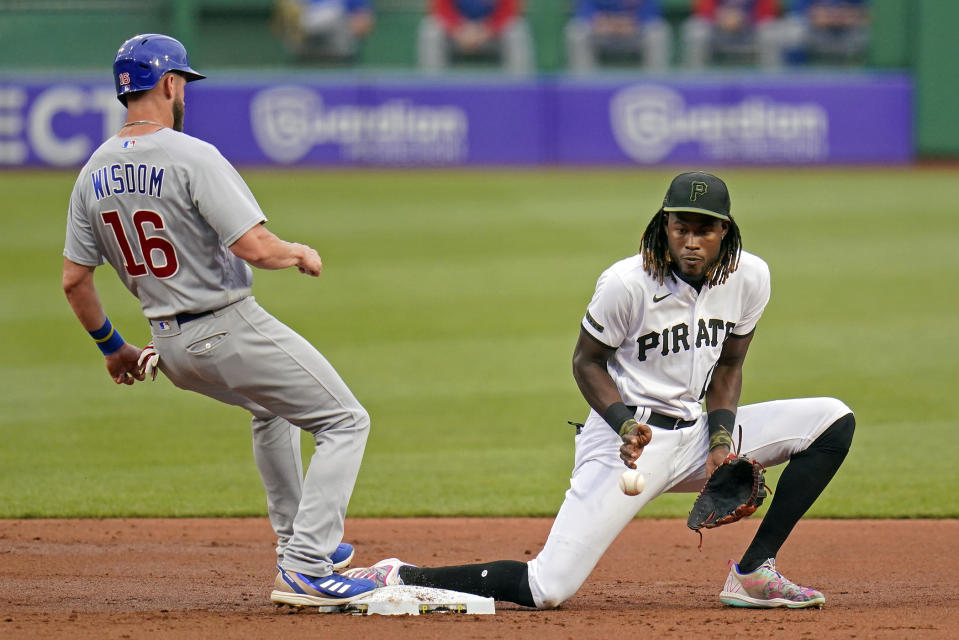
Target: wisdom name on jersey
x=118, y=179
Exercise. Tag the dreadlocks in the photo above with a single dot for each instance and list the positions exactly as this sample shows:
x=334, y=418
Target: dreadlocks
x=655, y=251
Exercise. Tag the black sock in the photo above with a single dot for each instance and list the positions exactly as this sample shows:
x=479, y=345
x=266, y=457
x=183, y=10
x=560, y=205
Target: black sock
x=506, y=580
x=803, y=479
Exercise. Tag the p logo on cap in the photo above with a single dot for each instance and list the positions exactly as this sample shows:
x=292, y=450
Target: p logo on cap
x=698, y=192
x=698, y=189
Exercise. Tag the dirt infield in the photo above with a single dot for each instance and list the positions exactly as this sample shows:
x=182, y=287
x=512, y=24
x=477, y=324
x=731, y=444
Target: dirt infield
x=194, y=578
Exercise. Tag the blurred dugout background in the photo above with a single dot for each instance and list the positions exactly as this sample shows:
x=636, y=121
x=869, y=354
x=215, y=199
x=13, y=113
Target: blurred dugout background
x=67, y=36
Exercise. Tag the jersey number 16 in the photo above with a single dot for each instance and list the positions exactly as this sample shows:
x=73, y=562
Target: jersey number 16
x=148, y=245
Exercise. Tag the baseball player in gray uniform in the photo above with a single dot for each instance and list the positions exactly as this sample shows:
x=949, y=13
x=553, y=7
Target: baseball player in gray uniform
x=180, y=227
x=667, y=332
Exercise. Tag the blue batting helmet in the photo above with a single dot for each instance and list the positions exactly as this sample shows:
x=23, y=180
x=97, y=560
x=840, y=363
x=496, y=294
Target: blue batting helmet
x=142, y=60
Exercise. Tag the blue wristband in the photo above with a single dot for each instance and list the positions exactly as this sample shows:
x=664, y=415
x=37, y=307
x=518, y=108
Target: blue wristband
x=107, y=338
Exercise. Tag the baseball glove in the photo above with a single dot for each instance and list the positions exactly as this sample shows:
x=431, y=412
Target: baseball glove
x=735, y=490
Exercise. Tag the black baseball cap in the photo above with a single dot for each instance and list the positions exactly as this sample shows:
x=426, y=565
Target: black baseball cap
x=698, y=192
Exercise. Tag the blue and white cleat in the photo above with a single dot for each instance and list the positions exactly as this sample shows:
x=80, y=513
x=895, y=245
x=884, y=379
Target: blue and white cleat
x=300, y=590
x=342, y=557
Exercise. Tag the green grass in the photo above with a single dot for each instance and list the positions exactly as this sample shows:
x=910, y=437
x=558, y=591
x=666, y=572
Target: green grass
x=450, y=303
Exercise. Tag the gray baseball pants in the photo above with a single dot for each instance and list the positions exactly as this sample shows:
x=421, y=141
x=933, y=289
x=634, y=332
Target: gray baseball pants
x=243, y=356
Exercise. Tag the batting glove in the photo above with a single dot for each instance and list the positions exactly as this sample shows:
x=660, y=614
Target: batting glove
x=149, y=361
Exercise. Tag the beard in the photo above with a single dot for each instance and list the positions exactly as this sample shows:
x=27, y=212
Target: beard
x=178, y=111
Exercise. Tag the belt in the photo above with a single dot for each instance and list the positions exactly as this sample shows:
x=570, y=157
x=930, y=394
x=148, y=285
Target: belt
x=183, y=318
x=663, y=421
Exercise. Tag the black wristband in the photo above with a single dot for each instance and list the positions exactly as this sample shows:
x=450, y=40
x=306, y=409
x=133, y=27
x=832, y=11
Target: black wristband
x=721, y=419
x=616, y=414
x=721, y=425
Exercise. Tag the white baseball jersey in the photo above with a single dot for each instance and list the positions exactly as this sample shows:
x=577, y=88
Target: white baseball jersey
x=668, y=339
x=121, y=208
x=667, y=336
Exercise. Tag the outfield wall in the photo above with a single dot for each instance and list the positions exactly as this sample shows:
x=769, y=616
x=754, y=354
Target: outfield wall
x=301, y=120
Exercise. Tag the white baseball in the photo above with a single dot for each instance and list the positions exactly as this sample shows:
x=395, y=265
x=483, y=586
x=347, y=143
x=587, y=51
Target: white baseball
x=632, y=482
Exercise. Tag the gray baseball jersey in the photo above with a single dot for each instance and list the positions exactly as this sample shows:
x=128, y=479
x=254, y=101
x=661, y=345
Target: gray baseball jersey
x=163, y=209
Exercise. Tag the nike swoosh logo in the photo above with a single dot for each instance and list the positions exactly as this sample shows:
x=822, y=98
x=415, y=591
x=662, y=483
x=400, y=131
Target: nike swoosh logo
x=661, y=298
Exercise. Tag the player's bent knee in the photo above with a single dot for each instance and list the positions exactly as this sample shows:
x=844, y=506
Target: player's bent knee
x=352, y=416
x=354, y=419
x=361, y=418
x=552, y=596
x=835, y=406
x=843, y=429
x=845, y=426
x=552, y=602
x=837, y=438
x=560, y=569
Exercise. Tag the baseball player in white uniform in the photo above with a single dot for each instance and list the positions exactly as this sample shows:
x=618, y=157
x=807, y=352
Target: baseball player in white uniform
x=666, y=333
x=180, y=227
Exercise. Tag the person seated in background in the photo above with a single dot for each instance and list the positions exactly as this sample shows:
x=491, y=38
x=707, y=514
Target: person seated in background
x=617, y=29
x=475, y=29
x=732, y=31
x=833, y=31
x=329, y=30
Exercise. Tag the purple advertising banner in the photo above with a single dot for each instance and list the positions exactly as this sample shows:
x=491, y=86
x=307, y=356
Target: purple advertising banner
x=372, y=124
x=854, y=118
x=746, y=120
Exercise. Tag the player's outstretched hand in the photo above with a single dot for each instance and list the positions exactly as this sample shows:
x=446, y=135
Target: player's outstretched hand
x=633, y=443
x=310, y=262
x=122, y=365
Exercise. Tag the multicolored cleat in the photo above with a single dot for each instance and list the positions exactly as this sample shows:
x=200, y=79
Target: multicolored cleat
x=766, y=588
x=385, y=573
